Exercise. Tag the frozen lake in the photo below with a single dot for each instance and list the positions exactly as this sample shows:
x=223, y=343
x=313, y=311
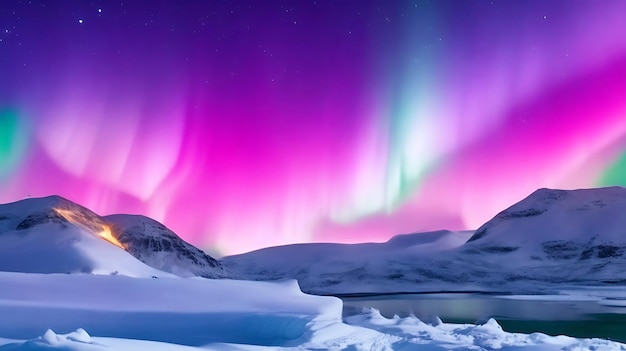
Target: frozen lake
x=553, y=315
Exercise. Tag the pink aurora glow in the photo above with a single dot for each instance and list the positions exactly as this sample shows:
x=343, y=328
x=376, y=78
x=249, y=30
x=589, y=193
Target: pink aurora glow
x=246, y=129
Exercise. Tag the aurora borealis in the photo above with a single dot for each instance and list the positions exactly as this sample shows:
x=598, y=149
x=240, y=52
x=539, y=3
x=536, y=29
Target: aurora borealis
x=244, y=124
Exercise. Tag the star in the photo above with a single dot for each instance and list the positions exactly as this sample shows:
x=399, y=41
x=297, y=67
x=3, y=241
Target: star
x=80, y=21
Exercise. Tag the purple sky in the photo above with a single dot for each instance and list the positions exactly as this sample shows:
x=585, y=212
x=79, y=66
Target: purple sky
x=244, y=124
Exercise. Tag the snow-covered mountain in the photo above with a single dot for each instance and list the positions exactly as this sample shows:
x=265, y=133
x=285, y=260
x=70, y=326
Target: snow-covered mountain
x=559, y=236
x=585, y=215
x=405, y=263
x=551, y=237
x=55, y=235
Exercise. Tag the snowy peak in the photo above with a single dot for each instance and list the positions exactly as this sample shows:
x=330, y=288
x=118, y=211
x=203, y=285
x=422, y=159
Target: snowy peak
x=544, y=199
x=547, y=214
x=557, y=236
x=30, y=212
x=33, y=212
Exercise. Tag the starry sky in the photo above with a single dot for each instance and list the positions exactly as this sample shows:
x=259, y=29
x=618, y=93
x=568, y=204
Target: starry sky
x=245, y=124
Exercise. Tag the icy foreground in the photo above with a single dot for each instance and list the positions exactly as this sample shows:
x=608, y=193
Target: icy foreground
x=90, y=312
x=551, y=238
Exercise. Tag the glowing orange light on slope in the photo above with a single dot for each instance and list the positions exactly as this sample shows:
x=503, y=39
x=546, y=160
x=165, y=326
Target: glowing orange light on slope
x=108, y=236
x=95, y=226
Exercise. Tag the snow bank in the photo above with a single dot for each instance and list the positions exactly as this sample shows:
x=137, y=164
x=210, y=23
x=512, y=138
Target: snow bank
x=80, y=340
x=76, y=340
x=191, y=311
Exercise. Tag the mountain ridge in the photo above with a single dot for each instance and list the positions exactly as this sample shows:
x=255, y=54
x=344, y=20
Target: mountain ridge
x=551, y=237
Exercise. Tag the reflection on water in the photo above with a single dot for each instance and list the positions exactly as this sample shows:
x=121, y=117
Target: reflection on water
x=581, y=318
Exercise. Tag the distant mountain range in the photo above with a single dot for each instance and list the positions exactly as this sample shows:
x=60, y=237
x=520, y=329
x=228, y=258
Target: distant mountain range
x=551, y=238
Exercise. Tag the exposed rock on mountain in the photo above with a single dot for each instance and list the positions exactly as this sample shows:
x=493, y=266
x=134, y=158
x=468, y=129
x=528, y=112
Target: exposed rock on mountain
x=157, y=246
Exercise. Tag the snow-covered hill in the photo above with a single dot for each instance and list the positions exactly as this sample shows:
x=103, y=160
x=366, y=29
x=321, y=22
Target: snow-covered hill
x=54, y=235
x=403, y=264
x=551, y=237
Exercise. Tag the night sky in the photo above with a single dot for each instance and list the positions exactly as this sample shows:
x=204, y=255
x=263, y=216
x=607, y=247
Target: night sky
x=244, y=124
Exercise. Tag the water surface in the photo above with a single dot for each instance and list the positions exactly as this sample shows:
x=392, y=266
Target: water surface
x=553, y=315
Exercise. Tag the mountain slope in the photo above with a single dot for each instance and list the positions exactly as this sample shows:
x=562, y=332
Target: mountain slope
x=157, y=246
